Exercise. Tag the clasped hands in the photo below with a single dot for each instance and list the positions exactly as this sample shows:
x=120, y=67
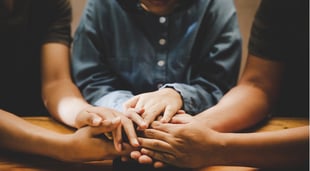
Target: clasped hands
x=139, y=112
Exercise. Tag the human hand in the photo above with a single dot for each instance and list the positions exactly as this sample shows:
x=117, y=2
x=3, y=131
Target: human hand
x=94, y=116
x=190, y=145
x=88, y=144
x=165, y=101
x=180, y=118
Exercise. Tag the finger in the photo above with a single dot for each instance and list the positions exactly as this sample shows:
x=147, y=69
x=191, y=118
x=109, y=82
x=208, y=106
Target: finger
x=117, y=138
x=181, y=112
x=114, y=121
x=139, y=110
x=168, y=158
x=133, y=115
x=135, y=155
x=126, y=150
x=144, y=159
x=159, y=118
x=168, y=114
x=159, y=164
x=165, y=127
x=181, y=119
x=131, y=103
x=108, y=127
x=130, y=132
x=150, y=116
x=88, y=118
x=156, y=134
x=154, y=144
x=101, y=112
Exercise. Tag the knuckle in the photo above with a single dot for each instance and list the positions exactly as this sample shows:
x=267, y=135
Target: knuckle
x=156, y=144
x=167, y=157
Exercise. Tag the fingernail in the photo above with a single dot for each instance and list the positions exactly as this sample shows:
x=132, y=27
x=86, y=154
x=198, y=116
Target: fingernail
x=136, y=143
x=143, y=125
x=163, y=120
x=96, y=121
x=120, y=147
x=143, y=150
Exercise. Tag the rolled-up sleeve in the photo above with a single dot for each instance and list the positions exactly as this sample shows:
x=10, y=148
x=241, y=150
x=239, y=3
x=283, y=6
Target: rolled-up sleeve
x=217, y=71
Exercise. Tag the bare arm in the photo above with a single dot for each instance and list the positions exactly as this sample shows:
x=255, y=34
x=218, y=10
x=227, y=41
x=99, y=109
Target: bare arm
x=62, y=98
x=248, y=102
x=20, y=135
x=17, y=134
x=275, y=149
x=173, y=144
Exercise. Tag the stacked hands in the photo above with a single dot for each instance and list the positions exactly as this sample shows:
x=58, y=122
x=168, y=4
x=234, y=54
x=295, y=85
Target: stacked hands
x=145, y=130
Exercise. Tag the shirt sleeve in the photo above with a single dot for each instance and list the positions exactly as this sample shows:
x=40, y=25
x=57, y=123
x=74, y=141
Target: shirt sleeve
x=217, y=71
x=60, y=17
x=114, y=100
x=273, y=28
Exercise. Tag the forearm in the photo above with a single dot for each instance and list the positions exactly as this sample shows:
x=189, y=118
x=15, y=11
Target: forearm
x=242, y=107
x=19, y=135
x=277, y=149
x=60, y=95
x=64, y=101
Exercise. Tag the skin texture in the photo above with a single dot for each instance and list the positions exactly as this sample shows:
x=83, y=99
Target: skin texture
x=95, y=116
x=65, y=102
x=256, y=91
x=166, y=102
x=179, y=145
x=65, y=147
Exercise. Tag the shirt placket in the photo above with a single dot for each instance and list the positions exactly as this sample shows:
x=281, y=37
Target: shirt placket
x=162, y=51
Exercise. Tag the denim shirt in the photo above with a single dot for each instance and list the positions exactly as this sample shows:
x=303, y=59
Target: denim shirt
x=120, y=50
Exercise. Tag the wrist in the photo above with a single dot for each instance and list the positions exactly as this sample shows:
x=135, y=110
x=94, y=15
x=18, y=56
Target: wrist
x=172, y=92
x=61, y=148
x=217, y=148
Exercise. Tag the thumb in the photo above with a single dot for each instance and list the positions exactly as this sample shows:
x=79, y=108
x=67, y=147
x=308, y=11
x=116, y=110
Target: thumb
x=168, y=114
x=87, y=118
x=131, y=103
x=106, y=126
x=127, y=149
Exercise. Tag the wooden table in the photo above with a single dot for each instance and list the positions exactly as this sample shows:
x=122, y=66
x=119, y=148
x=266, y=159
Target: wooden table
x=12, y=161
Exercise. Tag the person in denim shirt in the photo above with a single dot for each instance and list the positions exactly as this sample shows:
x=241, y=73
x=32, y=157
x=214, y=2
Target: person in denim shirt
x=156, y=57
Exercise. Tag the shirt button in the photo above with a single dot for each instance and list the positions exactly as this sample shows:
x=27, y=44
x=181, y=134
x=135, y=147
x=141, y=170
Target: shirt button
x=162, y=41
x=161, y=63
x=162, y=20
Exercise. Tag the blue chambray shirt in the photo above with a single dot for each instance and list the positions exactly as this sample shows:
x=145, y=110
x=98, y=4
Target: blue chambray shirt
x=120, y=50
